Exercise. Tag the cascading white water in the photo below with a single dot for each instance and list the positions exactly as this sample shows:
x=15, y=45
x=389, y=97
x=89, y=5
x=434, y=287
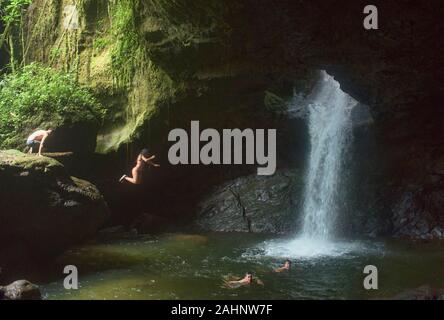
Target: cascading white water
x=329, y=118
x=330, y=132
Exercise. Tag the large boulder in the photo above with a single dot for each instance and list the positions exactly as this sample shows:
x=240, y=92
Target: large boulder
x=258, y=204
x=43, y=209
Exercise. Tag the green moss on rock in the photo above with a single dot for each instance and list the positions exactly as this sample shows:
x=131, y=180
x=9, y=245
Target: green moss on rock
x=19, y=160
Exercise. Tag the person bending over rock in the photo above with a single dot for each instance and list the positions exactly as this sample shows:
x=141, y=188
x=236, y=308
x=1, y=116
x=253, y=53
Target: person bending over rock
x=37, y=139
x=285, y=267
x=245, y=281
x=142, y=159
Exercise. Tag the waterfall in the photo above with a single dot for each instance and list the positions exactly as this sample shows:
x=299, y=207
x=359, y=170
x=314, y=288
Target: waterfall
x=329, y=125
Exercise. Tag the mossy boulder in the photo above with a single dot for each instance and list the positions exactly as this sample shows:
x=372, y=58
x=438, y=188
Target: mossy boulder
x=43, y=209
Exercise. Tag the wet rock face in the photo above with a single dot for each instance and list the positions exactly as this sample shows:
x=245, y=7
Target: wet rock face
x=418, y=207
x=407, y=220
x=20, y=290
x=253, y=204
x=43, y=209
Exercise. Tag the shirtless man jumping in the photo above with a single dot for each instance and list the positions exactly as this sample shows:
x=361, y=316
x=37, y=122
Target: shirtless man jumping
x=142, y=159
x=37, y=138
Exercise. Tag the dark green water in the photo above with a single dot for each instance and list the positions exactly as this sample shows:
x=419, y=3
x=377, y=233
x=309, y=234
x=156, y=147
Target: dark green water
x=179, y=266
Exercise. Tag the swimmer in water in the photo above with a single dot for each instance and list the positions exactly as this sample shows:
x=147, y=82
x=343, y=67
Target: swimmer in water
x=285, y=267
x=245, y=281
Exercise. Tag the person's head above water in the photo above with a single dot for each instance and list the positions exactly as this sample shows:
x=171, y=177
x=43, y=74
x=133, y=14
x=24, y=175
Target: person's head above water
x=249, y=277
x=287, y=264
x=145, y=152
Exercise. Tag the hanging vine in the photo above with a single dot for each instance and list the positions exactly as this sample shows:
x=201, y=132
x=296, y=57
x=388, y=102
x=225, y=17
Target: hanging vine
x=11, y=15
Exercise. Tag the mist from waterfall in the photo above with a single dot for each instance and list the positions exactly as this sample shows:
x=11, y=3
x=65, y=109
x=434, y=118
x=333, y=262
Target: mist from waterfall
x=329, y=123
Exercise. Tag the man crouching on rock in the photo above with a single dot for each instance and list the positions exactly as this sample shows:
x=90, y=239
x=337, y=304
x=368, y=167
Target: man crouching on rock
x=37, y=138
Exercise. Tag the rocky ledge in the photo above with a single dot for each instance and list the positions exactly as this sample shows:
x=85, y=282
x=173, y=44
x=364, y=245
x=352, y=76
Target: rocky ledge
x=43, y=209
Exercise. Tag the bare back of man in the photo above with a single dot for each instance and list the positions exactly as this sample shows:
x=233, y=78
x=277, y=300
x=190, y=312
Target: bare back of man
x=37, y=139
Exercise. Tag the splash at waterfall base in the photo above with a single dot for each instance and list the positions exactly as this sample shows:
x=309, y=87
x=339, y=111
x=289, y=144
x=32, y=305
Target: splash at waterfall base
x=304, y=247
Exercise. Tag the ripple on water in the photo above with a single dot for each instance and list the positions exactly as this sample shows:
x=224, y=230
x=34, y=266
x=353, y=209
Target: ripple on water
x=308, y=248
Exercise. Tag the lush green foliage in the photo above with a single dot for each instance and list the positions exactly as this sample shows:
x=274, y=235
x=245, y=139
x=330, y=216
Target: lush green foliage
x=11, y=15
x=11, y=10
x=38, y=96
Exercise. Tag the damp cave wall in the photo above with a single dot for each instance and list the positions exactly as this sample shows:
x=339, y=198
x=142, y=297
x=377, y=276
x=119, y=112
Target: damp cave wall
x=157, y=64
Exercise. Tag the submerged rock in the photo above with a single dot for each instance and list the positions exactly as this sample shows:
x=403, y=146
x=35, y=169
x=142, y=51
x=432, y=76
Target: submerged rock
x=20, y=290
x=422, y=293
x=43, y=209
x=253, y=203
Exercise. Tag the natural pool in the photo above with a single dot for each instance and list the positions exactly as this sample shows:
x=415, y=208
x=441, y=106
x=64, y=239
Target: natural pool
x=192, y=266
